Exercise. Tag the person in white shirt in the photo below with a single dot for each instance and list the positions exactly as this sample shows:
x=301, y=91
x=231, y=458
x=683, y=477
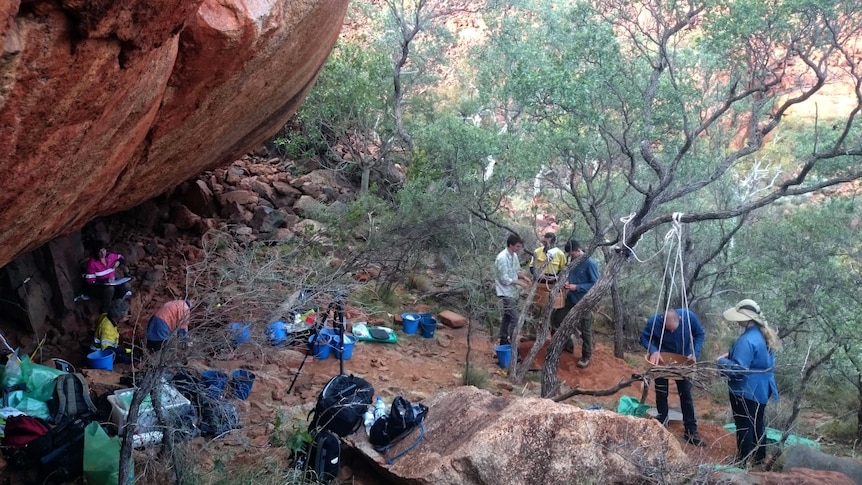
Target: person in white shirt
x=508, y=280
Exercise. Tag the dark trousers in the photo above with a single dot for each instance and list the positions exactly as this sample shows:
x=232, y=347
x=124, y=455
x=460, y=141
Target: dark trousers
x=686, y=402
x=510, y=316
x=120, y=355
x=749, y=417
x=106, y=293
x=155, y=345
x=585, y=326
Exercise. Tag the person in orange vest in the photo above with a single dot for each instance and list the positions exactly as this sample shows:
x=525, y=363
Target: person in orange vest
x=172, y=317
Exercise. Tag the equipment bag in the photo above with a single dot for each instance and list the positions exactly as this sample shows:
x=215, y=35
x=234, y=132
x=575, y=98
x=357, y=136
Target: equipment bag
x=321, y=457
x=71, y=399
x=341, y=404
x=58, y=455
x=402, y=418
x=21, y=430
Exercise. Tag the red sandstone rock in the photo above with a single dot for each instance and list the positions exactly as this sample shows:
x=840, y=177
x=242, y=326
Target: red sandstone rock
x=802, y=476
x=107, y=104
x=452, y=319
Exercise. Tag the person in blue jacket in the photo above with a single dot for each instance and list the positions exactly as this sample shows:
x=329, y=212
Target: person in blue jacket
x=578, y=282
x=679, y=332
x=749, y=368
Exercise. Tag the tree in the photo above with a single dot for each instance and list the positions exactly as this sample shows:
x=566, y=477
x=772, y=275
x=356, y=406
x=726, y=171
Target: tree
x=805, y=271
x=358, y=113
x=644, y=108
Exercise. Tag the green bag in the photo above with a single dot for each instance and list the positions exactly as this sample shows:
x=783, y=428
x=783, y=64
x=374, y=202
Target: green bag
x=40, y=379
x=101, y=456
x=629, y=406
x=12, y=374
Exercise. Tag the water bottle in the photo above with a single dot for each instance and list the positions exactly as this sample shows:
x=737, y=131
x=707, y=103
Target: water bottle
x=379, y=408
x=368, y=420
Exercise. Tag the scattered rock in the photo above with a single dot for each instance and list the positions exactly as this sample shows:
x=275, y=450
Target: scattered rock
x=452, y=319
x=242, y=197
x=200, y=199
x=183, y=218
x=268, y=220
x=309, y=207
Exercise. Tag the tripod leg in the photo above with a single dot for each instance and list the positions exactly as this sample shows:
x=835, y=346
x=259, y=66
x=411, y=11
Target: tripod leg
x=296, y=376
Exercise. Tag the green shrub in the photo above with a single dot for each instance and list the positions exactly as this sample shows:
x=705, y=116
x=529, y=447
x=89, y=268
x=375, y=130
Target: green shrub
x=286, y=435
x=475, y=376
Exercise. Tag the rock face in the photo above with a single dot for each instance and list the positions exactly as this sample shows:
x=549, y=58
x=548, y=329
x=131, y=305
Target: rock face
x=806, y=457
x=104, y=105
x=474, y=437
x=795, y=476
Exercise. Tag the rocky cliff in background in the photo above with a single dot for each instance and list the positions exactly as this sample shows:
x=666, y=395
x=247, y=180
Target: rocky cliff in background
x=105, y=104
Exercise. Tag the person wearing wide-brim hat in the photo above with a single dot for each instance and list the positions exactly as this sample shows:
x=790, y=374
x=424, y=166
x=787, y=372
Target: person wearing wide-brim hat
x=749, y=368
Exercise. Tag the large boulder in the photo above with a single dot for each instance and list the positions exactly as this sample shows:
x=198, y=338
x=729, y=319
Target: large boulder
x=104, y=105
x=800, y=456
x=475, y=437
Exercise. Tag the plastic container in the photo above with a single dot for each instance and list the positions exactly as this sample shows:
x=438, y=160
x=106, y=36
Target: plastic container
x=241, y=383
x=410, y=322
x=349, y=342
x=240, y=332
x=276, y=333
x=215, y=382
x=173, y=404
x=319, y=345
x=427, y=325
x=101, y=359
x=504, y=355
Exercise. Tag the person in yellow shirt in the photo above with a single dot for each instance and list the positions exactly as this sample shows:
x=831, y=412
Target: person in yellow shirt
x=549, y=260
x=107, y=337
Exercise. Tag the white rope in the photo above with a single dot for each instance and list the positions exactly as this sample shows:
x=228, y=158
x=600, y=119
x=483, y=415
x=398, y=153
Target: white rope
x=674, y=235
x=625, y=220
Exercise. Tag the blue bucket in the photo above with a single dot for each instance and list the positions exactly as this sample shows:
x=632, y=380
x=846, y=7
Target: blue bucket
x=411, y=322
x=427, y=325
x=319, y=346
x=240, y=332
x=214, y=381
x=276, y=333
x=349, y=341
x=504, y=355
x=101, y=359
x=241, y=382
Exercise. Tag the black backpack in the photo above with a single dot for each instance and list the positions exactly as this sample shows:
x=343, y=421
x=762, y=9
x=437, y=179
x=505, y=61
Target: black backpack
x=341, y=405
x=402, y=419
x=321, y=456
x=71, y=399
x=212, y=417
x=58, y=455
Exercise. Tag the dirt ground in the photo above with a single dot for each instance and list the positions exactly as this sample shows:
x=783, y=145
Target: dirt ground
x=416, y=367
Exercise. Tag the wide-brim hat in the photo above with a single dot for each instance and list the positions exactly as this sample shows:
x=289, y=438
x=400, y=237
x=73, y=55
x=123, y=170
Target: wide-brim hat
x=744, y=311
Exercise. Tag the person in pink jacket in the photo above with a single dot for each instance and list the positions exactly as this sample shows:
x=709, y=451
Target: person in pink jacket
x=101, y=276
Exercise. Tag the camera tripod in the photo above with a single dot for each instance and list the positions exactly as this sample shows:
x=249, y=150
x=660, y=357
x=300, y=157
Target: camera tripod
x=335, y=310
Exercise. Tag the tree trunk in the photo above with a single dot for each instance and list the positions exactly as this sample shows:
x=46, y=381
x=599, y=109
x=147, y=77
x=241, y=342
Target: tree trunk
x=366, y=177
x=859, y=409
x=550, y=381
x=149, y=382
x=619, y=322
